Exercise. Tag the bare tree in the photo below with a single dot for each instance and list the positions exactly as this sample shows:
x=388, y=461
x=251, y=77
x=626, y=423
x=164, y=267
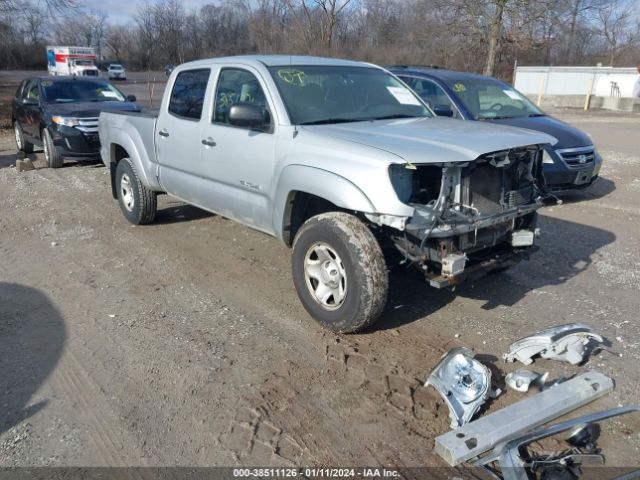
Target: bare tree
x=614, y=19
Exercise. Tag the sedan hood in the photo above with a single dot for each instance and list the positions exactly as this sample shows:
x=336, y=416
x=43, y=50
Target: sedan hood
x=568, y=136
x=88, y=109
x=433, y=140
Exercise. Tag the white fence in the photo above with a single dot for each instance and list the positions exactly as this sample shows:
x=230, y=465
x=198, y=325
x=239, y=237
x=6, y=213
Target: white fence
x=596, y=81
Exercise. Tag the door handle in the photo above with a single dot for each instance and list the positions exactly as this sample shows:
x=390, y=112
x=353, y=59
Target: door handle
x=163, y=133
x=209, y=142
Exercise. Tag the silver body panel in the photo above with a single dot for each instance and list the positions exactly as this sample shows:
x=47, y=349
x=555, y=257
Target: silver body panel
x=248, y=176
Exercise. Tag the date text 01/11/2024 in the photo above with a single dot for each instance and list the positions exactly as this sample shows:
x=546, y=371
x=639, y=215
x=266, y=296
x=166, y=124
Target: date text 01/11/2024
x=315, y=472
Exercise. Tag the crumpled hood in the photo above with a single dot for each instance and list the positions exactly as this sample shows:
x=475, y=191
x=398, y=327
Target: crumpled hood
x=433, y=140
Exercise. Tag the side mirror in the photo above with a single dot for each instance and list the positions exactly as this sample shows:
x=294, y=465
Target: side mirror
x=443, y=111
x=131, y=98
x=29, y=101
x=248, y=115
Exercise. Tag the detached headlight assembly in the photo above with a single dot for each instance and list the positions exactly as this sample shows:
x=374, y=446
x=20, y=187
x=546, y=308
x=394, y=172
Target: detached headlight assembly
x=66, y=121
x=546, y=158
x=463, y=382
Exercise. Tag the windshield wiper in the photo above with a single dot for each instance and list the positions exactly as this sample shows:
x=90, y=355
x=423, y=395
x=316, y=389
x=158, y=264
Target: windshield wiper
x=397, y=115
x=497, y=117
x=325, y=121
x=537, y=115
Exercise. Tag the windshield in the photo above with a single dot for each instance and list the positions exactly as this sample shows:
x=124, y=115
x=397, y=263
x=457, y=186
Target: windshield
x=115, y=67
x=83, y=63
x=315, y=94
x=80, y=91
x=491, y=99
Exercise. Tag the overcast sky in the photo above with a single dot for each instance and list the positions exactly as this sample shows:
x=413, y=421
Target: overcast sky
x=122, y=11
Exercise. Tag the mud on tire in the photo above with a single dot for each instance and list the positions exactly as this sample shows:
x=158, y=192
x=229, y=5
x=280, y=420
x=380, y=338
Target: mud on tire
x=327, y=248
x=137, y=202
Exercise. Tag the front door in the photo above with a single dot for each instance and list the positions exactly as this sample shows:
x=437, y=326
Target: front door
x=237, y=163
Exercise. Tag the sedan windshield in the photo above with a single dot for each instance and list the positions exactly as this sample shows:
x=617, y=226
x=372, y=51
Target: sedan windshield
x=80, y=91
x=315, y=94
x=488, y=99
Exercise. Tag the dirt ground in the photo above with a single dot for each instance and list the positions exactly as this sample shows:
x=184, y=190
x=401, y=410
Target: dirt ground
x=183, y=342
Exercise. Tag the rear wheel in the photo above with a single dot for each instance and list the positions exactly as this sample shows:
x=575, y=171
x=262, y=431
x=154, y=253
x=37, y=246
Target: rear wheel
x=51, y=153
x=137, y=202
x=21, y=144
x=339, y=272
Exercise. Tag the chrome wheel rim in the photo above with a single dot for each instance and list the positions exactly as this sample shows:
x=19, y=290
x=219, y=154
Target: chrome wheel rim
x=325, y=276
x=126, y=191
x=16, y=129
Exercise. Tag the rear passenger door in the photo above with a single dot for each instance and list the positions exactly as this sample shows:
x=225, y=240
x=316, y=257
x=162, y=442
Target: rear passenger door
x=177, y=135
x=30, y=112
x=238, y=162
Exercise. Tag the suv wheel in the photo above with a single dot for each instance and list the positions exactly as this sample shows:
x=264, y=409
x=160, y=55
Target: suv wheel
x=137, y=202
x=21, y=144
x=339, y=272
x=51, y=153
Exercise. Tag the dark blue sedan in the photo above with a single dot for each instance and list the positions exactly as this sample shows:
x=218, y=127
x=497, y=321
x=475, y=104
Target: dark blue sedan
x=572, y=163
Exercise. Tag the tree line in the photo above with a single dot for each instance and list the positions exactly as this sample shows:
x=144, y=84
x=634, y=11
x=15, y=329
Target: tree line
x=487, y=36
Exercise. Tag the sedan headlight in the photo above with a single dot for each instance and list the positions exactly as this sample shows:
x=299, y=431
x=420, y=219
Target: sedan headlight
x=546, y=158
x=463, y=382
x=66, y=121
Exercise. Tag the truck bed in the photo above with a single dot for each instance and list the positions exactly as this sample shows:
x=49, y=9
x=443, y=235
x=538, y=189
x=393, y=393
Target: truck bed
x=138, y=127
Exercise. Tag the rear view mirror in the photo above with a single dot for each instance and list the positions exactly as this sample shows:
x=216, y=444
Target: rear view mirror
x=131, y=98
x=443, y=111
x=248, y=115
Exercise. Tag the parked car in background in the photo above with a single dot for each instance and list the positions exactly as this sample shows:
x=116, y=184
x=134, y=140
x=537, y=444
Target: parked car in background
x=60, y=114
x=572, y=163
x=334, y=158
x=117, y=72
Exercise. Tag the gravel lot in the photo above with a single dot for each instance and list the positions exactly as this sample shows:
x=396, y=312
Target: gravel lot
x=183, y=342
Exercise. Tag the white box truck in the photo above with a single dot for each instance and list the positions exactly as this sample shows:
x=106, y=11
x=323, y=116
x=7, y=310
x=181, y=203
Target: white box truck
x=80, y=61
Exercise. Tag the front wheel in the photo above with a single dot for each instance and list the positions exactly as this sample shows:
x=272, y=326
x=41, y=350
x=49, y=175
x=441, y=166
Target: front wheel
x=51, y=154
x=339, y=272
x=137, y=202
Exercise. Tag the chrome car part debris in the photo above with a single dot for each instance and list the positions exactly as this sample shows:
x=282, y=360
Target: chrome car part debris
x=484, y=434
x=520, y=380
x=513, y=463
x=564, y=342
x=463, y=382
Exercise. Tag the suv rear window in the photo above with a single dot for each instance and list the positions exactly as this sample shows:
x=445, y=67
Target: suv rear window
x=187, y=96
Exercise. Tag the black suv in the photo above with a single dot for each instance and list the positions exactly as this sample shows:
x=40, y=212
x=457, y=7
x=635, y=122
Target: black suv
x=60, y=114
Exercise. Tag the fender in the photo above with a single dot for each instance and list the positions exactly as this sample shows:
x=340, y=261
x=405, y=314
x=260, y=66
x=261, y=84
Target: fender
x=315, y=181
x=134, y=145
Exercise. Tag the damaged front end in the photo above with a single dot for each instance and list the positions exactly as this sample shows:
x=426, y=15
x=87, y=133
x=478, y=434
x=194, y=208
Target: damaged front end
x=470, y=217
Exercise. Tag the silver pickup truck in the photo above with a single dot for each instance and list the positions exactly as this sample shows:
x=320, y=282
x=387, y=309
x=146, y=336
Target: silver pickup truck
x=338, y=160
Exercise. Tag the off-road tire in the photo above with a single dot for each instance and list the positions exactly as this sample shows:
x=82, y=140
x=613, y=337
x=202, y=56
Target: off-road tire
x=51, y=154
x=365, y=270
x=138, y=203
x=21, y=144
